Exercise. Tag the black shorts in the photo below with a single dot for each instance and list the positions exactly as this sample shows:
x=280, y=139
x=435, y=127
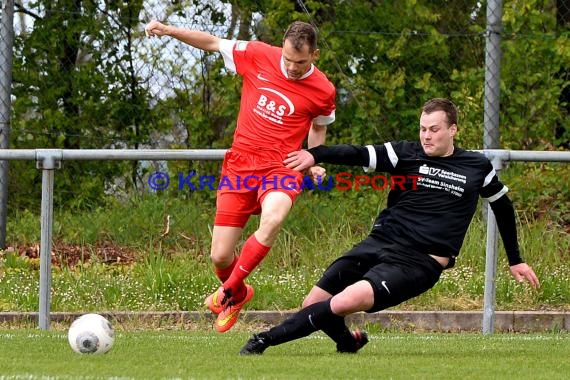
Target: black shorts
x=395, y=273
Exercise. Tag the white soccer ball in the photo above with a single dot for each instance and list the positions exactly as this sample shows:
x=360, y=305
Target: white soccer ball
x=91, y=334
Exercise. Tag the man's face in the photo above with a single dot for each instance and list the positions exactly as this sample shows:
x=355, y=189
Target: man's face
x=297, y=63
x=436, y=135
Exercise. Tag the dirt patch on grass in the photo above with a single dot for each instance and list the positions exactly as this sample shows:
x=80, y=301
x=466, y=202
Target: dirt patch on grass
x=70, y=255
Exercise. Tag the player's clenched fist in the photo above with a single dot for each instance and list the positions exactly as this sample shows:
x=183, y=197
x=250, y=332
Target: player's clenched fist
x=155, y=28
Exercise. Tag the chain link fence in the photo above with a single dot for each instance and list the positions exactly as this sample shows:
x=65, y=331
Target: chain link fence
x=6, y=41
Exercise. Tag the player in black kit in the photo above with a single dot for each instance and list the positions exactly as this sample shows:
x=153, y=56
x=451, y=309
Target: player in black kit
x=416, y=237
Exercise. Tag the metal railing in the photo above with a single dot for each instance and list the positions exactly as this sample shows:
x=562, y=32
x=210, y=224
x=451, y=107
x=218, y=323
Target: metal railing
x=48, y=160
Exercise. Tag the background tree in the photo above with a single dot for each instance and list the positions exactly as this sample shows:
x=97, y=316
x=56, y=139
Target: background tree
x=562, y=132
x=76, y=86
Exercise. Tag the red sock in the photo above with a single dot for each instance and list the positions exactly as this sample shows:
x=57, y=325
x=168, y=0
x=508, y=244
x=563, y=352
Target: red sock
x=252, y=253
x=224, y=273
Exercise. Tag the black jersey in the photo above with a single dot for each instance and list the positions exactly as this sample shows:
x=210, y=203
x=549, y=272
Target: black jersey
x=431, y=210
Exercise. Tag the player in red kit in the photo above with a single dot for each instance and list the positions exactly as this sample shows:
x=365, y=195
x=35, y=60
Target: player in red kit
x=285, y=99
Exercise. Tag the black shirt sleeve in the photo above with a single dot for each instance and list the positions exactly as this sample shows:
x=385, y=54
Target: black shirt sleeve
x=342, y=154
x=505, y=216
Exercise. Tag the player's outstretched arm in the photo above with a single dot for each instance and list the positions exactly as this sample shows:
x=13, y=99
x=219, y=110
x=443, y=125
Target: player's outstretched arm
x=196, y=38
x=522, y=272
x=505, y=216
x=342, y=154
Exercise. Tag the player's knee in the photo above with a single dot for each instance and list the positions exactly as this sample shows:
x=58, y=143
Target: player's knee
x=355, y=298
x=221, y=259
x=340, y=306
x=216, y=260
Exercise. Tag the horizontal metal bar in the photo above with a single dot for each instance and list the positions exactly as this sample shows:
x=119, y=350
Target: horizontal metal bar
x=218, y=154
x=17, y=154
x=143, y=154
x=113, y=154
x=526, y=155
x=522, y=155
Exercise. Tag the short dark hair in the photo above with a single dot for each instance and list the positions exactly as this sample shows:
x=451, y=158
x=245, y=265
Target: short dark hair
x=442, y=104
x=300, y=33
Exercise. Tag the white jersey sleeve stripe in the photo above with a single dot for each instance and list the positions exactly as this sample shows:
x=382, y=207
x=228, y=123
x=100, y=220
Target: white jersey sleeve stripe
x=324, y=119
x=227, y=51
x=373, y=159
x=489, y=177
x=498, y=195
x=391, y=154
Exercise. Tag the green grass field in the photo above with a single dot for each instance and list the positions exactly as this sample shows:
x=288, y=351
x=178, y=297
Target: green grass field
x=178, y=354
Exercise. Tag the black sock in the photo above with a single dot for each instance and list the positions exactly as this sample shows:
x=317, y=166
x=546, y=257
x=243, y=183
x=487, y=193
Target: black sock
x=306, y=321
x=303, y=323
x=337, y=330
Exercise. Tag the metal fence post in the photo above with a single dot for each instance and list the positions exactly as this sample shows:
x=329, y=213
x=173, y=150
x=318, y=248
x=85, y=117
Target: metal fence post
x=491, y=141
x=492, y=75
x=47, y=160
x=491, y=252
x=489, y=296
x=6, y=46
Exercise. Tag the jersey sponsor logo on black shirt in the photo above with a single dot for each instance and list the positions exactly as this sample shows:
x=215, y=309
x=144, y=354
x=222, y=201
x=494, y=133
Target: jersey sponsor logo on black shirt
x=440, y=179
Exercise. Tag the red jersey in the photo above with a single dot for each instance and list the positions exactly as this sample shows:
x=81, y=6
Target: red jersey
x=275, y=112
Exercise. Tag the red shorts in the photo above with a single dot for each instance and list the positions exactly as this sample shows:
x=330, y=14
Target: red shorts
x=246, y=179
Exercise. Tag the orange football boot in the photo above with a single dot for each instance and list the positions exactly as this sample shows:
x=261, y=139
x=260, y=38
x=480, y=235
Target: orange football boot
x=217, y=301
x=228, y=317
